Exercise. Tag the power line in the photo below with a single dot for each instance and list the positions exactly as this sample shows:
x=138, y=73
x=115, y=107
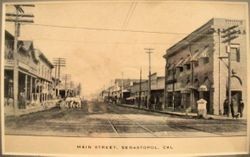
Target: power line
x=106, y=29
x=115, y=30
x=132, y=12
x=129, y=14
x=128, y=43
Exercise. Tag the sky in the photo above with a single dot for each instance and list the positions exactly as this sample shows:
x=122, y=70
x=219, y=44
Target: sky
x=95, y=57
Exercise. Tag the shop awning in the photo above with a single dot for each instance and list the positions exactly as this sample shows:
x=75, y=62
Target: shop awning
x=130, y=98
x=196, y=56
x=125, y=91
x=171, y=66
x=186, y=60
x=179, y=64
x=205, y=86
x=185, y=90
x=200, y=54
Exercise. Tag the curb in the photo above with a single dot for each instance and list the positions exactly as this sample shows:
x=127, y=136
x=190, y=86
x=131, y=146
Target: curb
x=162, y=112
x=209, y=117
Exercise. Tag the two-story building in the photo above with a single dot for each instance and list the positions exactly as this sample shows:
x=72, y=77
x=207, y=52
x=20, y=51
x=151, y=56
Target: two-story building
x=197, y=67
x=33, y=81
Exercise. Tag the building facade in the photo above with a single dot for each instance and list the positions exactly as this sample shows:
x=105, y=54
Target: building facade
x=119, y=91
x=139, y=93
x=33, y=80
x=197, y=67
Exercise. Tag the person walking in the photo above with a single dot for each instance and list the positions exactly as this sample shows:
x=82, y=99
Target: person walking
x=22, y=100
x=234, y=108
x=241, y=108
x=225, y=106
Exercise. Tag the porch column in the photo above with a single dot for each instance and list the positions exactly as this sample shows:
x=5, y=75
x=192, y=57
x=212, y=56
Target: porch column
x=25, y=88
x=31, y=86
x=15, y=88
x=192, y=101
x=35, y=89
x=41, y=91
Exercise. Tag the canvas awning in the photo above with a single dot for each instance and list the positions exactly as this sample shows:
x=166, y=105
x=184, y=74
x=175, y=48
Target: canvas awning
x=130, y=98
x=200, y=54
x=179, y=64
x=172, y=66
x=125, y=91
x=205, y=86
x=186, y=60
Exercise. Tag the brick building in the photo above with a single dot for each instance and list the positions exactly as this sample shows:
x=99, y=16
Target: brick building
x=194, y=68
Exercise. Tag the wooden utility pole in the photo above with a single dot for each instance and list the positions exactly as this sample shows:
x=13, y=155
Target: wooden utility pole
x=58, y=63
x=229, y=34
x=139, y=105
x=55, y=67
x=149, y=51
x=17, y=18
x=122, y=89
x=66, y=79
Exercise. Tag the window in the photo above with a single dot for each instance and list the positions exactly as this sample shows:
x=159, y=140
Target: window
x=206, y=60
x=169, y=72
x=196, y=64
x=206, y=46
x=188, y=67
x=235, y=54
x=181, y=69
x=42, y=70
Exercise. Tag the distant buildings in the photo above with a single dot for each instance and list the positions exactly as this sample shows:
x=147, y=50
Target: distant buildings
x=135, y=92
x=119, y=91
x=139, y=92
x=194, y=68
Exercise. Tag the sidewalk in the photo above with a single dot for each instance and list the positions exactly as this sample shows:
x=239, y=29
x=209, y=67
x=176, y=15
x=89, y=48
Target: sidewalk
x=30, y=108
x=181, y=114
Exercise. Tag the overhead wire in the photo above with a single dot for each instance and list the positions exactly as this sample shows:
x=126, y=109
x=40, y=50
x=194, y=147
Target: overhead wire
x=127, y=15
x=105, y=29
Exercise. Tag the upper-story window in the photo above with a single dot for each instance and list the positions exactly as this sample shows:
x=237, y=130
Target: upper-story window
x=188, y=67
x=235, y=54
x=205, y=55
x=42, y=70
x=181, y=69
x=206, y=60
x=196, y=64
x=49, y=71
x=169, y=72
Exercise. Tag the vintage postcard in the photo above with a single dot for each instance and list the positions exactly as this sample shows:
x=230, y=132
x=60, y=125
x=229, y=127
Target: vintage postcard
x=124, y=77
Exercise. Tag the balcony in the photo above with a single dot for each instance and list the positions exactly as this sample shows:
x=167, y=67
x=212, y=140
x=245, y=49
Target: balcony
x=8, y=62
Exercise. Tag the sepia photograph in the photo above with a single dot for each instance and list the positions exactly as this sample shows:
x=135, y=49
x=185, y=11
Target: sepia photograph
x=124, y=70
